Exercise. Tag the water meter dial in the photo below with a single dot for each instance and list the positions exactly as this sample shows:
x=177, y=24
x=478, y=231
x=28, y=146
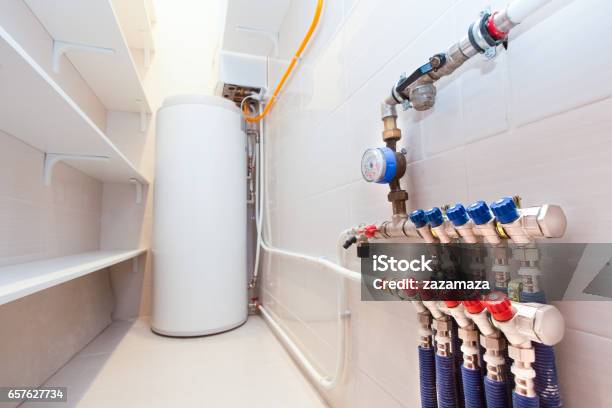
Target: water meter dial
x=379, y=165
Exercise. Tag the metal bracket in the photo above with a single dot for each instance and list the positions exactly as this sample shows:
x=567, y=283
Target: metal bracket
x=139, y=188
x=270, y=35
x=51, y=159
x=143, y=116
x=135, y=264
x=62, y=47
x=146, y=51
x=490, y=52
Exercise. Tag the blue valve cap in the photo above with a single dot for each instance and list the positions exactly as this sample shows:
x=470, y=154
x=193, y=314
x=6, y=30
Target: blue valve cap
x=479, y=213
x=435, y=217
x=505, y=210
x=457, y=215
x=418, y=218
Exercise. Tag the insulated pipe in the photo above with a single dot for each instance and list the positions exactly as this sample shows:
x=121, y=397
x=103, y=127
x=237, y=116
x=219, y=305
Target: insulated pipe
x=427, y=369
x=495, y=346
x=457, y=354
x=445, y=381
x=427, y=374
x=472, y=387
x=469, y=358
x=445, y=363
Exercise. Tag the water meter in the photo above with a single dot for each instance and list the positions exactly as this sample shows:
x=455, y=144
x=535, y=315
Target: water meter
x=379, y=165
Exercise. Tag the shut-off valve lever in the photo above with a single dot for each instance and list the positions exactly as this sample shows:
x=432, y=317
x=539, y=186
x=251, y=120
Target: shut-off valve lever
x=401, y=90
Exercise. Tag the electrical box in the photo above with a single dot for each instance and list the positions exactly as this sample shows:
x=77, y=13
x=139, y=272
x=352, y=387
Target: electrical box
x=241, y=75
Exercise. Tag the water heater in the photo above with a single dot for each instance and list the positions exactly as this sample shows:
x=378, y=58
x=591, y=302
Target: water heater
x=199, y=248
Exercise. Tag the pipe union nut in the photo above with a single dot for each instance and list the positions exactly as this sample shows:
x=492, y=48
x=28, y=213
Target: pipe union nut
x=492, y=343
x=425, y=319
x=468, y=335
x=443, y=325
x=521, y=354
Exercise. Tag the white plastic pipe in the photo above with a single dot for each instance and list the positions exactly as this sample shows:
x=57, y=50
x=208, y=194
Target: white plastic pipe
x=519, y=10
x=326, y=382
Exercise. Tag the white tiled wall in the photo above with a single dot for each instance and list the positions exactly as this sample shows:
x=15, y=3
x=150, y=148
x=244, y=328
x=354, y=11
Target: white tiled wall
x=39, y=333
x=42, y=331
x=534, y=122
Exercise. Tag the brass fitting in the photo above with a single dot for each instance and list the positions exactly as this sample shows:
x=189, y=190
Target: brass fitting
x=390, y=135
x=521, y=355
x=391, y=132
x=491, y=343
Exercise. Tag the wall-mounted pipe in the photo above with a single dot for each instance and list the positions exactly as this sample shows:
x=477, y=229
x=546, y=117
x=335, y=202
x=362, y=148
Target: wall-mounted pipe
x=485, y=34
x=342, y=273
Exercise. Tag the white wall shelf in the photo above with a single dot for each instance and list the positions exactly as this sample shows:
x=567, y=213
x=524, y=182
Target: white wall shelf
x=93, y=24
x=17, y=281
x=136, y=18
x=35, y=109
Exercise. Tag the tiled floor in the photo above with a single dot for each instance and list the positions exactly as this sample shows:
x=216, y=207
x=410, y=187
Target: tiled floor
x=129, y=366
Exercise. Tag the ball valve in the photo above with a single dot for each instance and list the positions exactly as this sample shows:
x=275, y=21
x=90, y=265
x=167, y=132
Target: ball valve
x=419, y=219
x=484, y=223
x=440, y=226
x=523, y=225
x=459, y=217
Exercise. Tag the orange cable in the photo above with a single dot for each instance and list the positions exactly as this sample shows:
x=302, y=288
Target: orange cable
x=296, y=57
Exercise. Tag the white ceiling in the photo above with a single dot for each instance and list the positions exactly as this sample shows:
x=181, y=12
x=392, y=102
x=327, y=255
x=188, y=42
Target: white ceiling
x=250, y=24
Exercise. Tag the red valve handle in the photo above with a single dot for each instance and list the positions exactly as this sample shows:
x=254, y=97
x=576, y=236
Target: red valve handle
x=452, y=303
x=370, y=231
x=473, y=306
x=499, y=306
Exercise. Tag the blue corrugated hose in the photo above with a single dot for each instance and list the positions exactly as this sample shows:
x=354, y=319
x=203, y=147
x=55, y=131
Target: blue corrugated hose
x=546, y=381
x=483, y=365
x=445, y=382
x=521, y=401
x=496, y=393
x=458, y=357
x=427, y=367
x=472, y=387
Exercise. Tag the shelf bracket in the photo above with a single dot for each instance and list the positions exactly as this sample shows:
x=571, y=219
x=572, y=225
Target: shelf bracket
x=62, y=47
x=139, y=188
x=146, y=50
x=143, y=116
x=270, y=35
x=135, y=264
x=51, y=159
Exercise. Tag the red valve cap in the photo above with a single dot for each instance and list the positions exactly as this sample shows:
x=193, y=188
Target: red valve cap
x=473, y=306
x=370, y=231
x=452, y=303
x=499, y=306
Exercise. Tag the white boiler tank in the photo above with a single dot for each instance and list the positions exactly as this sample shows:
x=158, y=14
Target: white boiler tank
x=199, y=249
